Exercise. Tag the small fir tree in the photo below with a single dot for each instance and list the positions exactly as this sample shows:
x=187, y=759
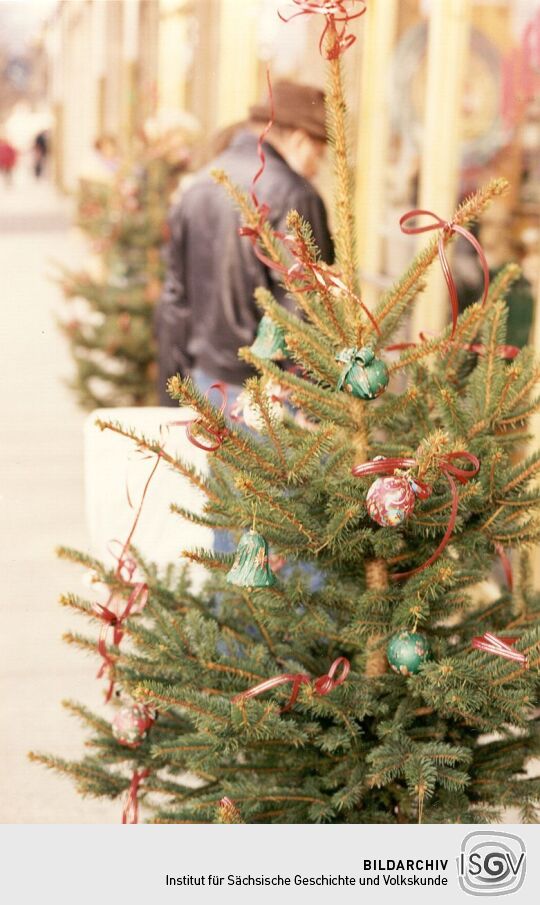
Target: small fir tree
x=335, y=734
x=110, y=321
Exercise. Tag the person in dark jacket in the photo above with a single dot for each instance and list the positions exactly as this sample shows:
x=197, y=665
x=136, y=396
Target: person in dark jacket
x=207, y=310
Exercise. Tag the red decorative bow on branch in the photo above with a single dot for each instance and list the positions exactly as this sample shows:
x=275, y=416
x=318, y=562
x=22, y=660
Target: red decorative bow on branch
x=336, y=25
x=321, y=686
x=111, y=620
x=190, y=423
x=447, y=228
x=130, y=813
x=451, y=472
x=501, y=647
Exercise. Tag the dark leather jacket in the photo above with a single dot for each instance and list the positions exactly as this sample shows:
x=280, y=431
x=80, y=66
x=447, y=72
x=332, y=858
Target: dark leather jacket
x=207, y=310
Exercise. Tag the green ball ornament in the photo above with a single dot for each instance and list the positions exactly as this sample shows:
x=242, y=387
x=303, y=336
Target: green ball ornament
x=250, y=568
x=269, y=343
x=363, y=375
x=407, y=652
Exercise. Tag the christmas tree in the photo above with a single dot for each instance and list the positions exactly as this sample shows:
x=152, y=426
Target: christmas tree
x=342, y=666
x=110, y=320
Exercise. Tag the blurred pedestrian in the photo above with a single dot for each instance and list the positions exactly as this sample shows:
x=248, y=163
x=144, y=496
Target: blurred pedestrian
x=8, y=159
x=102, y=163
x=40, y=150
x=207, y=311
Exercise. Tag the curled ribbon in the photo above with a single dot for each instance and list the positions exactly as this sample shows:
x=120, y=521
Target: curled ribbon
x=451, y=472
x=130, y=813
x=321, y=686
x=114, y=620
x=447, y=227
x=336, y=13
x=501, y=647
x=506, y=565
x=311, y=275
x=190, y=423
x=323, y=278
x=125, y=569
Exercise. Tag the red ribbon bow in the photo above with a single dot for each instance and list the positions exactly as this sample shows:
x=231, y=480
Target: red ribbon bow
x=321, y=686
x=336, y=13
x=130, y=813
x=447, y=228
x=501, y=647
x=423, y=490
x=190, y=423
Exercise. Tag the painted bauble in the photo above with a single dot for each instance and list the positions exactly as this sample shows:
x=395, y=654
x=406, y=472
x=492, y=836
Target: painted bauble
x=269, y=343
x=407, y=652
x=390, y=500
x=363, y=375
x=131, y=724
x=251, y=568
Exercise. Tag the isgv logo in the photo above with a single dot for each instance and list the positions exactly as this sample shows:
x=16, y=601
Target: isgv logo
x=491, y=864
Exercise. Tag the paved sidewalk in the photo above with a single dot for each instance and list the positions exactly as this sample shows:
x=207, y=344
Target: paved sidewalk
x=41, y=502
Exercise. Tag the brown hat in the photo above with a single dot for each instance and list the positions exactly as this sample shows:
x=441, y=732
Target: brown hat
x=296, y=106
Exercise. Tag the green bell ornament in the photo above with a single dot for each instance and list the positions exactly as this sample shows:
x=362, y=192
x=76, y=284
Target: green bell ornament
x=407, y=651
x=363, y=374
x=250, y=568
x=270, y=341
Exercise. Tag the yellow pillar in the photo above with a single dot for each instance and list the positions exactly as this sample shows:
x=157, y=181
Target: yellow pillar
x=373, y=134
x=173, y=54
x=448, y=45
x=237, y=66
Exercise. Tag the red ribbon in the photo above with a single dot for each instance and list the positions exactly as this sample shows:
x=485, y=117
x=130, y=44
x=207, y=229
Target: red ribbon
x=254, y=234
x=321, y=686
x=447, y=228
x=130, y=813
x=335, y=12
x=190, y=423
x=501, y=647
x=423, y=491
x=124, y=571
x=114, y=620
x=506, y=564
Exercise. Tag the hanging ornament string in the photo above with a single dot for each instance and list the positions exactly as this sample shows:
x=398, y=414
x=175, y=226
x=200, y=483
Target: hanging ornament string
x=254, y=233
x=190, y=423
x=447, y=227
x=501, y=647
x=130, y=813
x=125, y=569
x=451, y=472
x=321, y=686
x=336, y=14
x=307, y=274
x=506, y=565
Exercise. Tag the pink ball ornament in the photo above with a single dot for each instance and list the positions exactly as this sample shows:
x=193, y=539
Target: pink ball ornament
x=390, y=500
x=131, y=724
